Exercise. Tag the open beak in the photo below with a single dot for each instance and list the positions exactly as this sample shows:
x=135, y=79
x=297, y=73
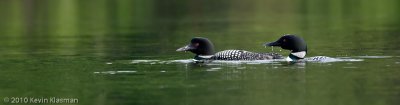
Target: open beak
x=273, y=44
x=185, y=48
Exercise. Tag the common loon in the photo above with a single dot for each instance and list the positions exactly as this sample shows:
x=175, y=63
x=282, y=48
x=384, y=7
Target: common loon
x=204, y=50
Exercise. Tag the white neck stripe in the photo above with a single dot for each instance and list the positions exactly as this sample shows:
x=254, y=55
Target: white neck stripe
x=300, y=54
x=205, y=56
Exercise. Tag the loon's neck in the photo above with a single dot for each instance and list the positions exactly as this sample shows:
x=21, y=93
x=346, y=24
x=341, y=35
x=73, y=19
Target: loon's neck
x=294, y=56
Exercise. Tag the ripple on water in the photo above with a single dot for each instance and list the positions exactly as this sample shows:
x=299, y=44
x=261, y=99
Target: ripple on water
x=351, y=67
x=115, y=72
x=214, y=69
x=241, y=68
x=373, y=56
x=183, y=61
x=144, y=61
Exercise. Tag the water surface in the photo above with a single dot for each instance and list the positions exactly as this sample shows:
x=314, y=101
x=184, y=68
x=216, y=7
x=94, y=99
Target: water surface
x=123, y=52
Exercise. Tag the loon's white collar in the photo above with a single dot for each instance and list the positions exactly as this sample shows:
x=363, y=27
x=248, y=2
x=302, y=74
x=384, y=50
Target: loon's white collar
x=206, y=56
x=296, y=56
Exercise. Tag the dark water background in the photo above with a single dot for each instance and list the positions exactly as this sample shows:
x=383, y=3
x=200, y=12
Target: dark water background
x=93, y=50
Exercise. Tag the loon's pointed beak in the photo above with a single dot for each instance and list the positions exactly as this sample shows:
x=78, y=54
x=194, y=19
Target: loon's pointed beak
x=272, y=44
x=185, y=48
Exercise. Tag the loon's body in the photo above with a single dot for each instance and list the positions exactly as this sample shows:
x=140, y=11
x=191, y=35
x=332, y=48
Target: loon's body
x=204, y=50
x=244, y=55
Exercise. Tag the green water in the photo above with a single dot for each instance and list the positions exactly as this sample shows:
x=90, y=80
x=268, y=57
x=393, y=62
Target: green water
x=87, y=49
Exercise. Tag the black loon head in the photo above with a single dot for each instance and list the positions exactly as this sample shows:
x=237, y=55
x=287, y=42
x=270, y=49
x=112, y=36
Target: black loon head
x=291, y=42
x=199, y=46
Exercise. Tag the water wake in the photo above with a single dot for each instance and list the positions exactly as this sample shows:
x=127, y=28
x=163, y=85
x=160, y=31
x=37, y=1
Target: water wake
x=315, y=59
